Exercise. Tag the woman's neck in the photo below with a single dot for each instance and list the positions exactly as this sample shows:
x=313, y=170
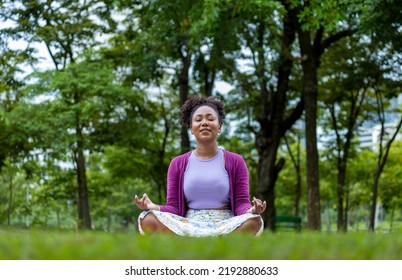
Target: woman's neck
x=206, y=151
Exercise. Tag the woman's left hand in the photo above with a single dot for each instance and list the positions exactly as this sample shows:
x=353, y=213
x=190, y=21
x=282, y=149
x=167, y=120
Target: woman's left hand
x=258, y=207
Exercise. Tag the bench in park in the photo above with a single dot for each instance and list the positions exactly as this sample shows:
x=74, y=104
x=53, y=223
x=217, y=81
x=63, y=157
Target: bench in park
x=288, y=223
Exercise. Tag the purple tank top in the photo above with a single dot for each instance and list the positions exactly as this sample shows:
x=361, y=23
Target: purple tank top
x=206, y=183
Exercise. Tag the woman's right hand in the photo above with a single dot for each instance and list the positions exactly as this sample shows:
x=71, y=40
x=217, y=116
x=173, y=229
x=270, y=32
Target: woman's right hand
x=145, y=203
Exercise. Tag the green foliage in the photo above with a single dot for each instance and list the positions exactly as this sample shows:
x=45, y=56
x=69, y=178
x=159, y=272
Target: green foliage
x=391, y=181
x=84, y=95
x=13, y=141
x=287, y=180
x=382, y=20
x=64, y=26
x=11, y=182
x=112, y=190
x=361, y=174
x=329, y=14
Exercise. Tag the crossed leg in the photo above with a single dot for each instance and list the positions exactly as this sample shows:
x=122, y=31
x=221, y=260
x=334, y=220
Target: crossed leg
x=252, y=225
x=151, y=224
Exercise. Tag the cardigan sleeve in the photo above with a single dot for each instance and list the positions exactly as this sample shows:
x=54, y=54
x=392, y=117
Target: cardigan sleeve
x=172, y=196
x=241, y=194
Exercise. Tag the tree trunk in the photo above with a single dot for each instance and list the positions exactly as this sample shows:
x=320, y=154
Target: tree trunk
x=310, y=54
x=373, y=207
x=313, y=192
x=84, y=217
x=11, y=192
x=209, y=78
x=392, y=218
x=328, y=216
x=347, y=203
x=273, y=123
x=162, y=172
x=341, y=198
x=382, y=160
x=83, y=201
x=310, y=105
x=10, y=201
x=311, y=50
x=184, y=93
x=298, y=193
x=268, y=171
x=109, y=219
x=356, y=103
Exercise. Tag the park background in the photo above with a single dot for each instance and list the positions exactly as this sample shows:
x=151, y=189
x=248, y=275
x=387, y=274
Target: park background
x=90, y=95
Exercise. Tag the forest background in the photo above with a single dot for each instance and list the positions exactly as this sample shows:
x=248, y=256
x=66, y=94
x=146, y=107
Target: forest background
x=100, y=121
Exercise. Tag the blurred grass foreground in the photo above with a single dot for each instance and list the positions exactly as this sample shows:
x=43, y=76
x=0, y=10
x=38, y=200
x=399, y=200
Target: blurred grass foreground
x=35, y=244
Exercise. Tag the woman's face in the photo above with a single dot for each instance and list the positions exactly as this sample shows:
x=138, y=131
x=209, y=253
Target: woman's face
x=205, y=124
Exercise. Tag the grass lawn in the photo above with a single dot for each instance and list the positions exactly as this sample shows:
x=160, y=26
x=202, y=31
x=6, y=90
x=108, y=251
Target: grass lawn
x=36, y=244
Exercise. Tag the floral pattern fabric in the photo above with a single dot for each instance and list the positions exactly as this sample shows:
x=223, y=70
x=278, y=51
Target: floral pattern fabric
x=201, y=223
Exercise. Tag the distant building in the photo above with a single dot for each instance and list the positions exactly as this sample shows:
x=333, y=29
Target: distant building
x=369, y=133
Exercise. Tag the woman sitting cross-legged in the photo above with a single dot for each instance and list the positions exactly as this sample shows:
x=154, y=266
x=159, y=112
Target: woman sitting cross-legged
x=207, y=188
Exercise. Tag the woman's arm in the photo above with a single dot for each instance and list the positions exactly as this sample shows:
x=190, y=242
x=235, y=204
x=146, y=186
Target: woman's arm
x=172, y=196
x=240, y=183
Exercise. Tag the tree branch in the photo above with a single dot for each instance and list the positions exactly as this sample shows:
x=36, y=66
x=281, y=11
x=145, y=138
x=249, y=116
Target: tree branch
x=294, y=116
x=334, y=38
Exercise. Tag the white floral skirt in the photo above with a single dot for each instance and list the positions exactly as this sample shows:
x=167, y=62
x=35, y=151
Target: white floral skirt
x=201, y=223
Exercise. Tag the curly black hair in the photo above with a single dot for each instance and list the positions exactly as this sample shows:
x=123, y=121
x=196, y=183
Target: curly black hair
x=194, y=102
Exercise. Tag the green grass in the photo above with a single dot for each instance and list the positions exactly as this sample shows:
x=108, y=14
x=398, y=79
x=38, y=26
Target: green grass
x=34, y=244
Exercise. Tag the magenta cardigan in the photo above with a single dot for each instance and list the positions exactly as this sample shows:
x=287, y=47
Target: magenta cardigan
x=238, y=183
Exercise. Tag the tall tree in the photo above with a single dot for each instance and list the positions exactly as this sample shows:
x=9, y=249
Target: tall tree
x=386, y=137
x=261, y=95
x=390, y=191
x=348, y=74
x=66, y=28
x=318, y=25
x=14, y=142
x=85, y=96
x=383, y=21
